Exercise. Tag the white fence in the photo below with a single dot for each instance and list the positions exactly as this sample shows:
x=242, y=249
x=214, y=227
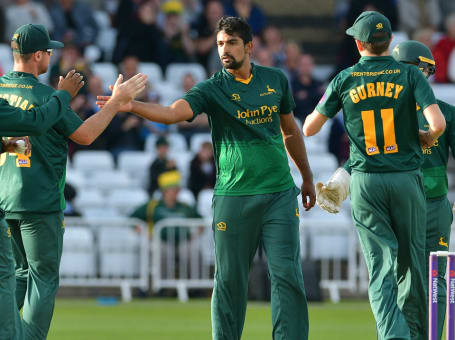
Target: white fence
x=103, y=252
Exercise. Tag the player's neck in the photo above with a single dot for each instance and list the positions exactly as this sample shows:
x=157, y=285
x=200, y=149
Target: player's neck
x=243, y=72
x=26, y=68
x=366, y=53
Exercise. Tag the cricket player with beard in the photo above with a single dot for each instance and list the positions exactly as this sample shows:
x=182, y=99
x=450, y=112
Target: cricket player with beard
x=438, y=209
x=250, y=113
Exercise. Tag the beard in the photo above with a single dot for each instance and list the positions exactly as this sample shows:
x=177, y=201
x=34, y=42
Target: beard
x=232, y=64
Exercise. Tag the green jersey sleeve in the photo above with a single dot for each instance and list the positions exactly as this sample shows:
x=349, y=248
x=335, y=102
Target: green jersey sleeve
x=1, y=145
x=198, y=99
x=140, y=213
x=347, y=166
x=287, y=104
x=15, y=122
x=330, y=103
x=423, y=92
x=69, y=123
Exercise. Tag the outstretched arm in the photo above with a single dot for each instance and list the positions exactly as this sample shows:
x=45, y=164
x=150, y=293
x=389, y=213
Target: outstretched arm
x=123, y=93
x=178, y=111
x=295, y=146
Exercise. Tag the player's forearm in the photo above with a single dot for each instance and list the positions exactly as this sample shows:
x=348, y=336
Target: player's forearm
x=154, y=112
x=295, y=146
x=313, y=123
x=96, y=124
x=435, y=120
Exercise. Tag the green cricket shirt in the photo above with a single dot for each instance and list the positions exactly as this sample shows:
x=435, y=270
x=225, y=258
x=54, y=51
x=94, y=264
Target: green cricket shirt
x=34, y=184
x=378, y=96
x=435, y=158
x=16, y=122
x=244, y=116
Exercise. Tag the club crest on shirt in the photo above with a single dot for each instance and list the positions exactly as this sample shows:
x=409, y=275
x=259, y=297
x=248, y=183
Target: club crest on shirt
x=221, y=226
x=269, y=91
x=236, y=97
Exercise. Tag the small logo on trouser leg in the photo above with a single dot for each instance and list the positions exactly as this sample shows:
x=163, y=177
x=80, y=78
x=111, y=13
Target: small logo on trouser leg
x=442, y=243
x=221, y=226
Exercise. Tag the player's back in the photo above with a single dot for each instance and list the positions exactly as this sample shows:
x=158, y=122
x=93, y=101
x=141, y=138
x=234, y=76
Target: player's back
x=379, y=97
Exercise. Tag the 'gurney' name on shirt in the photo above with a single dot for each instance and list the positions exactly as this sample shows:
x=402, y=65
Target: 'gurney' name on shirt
x=17, y=101
x=377, y=89
x=262, y=115
x=17, y=86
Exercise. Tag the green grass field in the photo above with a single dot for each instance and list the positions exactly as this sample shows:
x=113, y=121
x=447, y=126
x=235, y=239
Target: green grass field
x=166, y=319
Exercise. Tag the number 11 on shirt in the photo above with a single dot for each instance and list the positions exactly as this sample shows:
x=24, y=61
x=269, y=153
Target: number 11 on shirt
x=369, y=130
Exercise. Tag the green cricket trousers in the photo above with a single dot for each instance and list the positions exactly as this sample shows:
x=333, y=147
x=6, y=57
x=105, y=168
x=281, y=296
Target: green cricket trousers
x=239, y=224
x=439, y=219
x=37, y=248
x=10, y=321
x=388, y=210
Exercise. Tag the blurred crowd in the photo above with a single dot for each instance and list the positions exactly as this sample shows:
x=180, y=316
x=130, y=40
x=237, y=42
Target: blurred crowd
x=128, y=33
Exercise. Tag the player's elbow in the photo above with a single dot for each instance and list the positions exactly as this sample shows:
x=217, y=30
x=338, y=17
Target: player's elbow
x=440, y=126
x=308, y=130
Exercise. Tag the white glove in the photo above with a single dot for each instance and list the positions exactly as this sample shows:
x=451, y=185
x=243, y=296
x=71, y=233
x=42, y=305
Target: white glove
x=330, y=196
x=20, y=146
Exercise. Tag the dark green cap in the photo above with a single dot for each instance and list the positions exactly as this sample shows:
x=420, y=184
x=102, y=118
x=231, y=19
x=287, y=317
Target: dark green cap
x=370, y=26
x=31, y=38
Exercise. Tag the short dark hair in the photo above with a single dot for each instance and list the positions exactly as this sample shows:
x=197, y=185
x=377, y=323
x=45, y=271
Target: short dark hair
x=377, y=48
x=235, y=26
x=17, y=56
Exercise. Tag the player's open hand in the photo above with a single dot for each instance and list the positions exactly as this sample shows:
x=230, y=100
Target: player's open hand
x=308, y=194
x=20, y=145
x=72, y=83
x=426, y=139
x=124, y=92
x=329, y=196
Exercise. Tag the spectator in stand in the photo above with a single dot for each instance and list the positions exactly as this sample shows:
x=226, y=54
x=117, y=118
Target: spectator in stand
x=140, y=36
x=293, y=53
x=70, y=58
x=200, y=123
x=264, y=58
x=70, y=193
x=203, y=31
x=202, y=170
x=73, y=21
x=179, y=46
x=129, y=66
x=247, y=10
x=347, y=52
x=273, y=42
x=442, y=51
x=22, y=12
x=426, y=36
x=307, y=91
x=161, y=164
x=415, y=14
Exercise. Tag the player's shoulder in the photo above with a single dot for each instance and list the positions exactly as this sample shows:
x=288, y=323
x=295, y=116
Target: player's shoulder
x=269, y=71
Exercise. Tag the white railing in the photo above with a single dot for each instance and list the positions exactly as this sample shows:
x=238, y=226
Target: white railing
x=105, y=252
x=186, y=262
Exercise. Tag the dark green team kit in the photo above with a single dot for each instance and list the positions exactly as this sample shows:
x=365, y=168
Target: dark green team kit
x=439, y=210
x=378, y=96
x=17, y=122
x=255, y=199
x=31, y=196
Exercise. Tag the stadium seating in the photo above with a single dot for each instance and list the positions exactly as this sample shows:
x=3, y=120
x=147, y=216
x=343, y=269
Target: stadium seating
x=109, y=180
x=153, y=72
x=89, y=198
x=6, y=57
x=177, y=143
x=197, y=139
x=107, y=72
x=136, y=164
x=89, y=161
x=186, y=196
x=125, y=200
x=176, y=71
x=78, y=258
x=204, y=203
